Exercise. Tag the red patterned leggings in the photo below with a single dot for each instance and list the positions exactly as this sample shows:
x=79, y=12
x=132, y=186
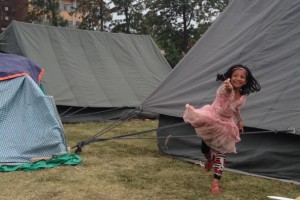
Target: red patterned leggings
x=219, y=162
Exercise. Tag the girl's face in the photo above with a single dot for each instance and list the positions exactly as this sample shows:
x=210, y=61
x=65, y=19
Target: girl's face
x=238, y=79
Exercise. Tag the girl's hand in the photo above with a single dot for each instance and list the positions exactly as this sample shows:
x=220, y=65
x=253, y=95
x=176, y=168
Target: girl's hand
x=240, y=126
x=228, y=85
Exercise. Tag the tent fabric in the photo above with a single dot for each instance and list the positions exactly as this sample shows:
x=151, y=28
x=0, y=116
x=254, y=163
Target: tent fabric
x=261, y=34
x=29, y=124
x=59, y=160
x=14, y=66
x=89, y=68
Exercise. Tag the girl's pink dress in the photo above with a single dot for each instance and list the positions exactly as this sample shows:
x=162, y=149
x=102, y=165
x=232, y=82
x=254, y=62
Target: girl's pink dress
x=214, y=123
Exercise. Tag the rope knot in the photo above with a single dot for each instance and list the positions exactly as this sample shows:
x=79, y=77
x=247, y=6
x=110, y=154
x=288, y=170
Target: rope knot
x=79, y=146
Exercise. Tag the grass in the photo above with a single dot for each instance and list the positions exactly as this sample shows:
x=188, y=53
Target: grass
x=133, y=170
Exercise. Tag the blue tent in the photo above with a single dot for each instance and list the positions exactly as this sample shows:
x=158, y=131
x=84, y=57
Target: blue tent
x=12, y=66
x=29, y=125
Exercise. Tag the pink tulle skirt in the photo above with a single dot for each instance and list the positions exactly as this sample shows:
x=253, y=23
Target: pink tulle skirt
x=218, y=132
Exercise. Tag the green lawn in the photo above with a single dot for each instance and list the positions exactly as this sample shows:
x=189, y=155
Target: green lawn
x=133, y=170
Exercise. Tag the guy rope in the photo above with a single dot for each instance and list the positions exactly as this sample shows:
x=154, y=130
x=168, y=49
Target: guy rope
x=96, y=138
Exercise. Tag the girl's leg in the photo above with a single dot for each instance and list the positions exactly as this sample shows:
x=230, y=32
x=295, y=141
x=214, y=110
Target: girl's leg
x=208, y=155
x=205, y=148
x=219, y=165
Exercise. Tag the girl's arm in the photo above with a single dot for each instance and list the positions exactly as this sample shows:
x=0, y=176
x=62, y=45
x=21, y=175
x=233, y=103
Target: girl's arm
x=239, y=120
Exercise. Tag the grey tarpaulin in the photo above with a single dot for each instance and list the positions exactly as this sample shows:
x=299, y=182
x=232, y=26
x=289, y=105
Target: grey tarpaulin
x=90, y=68
x=265, y=36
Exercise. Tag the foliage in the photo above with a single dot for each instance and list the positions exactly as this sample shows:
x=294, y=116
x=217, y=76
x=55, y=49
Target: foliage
x=177, y=23
x=95, y=14
x=132, y=11
x=177, y=14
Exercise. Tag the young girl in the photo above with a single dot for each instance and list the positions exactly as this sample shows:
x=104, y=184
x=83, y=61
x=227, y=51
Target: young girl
x=215, y=123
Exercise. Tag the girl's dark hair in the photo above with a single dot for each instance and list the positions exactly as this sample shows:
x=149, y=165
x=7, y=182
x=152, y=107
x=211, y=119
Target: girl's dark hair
x=252, y=84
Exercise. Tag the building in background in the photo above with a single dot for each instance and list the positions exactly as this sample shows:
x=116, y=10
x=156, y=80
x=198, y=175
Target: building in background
x=65, y=7
x=18, y=9
x=12, y=10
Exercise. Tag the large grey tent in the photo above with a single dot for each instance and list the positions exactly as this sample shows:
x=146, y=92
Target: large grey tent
x=89, y=70
x=265, y=36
